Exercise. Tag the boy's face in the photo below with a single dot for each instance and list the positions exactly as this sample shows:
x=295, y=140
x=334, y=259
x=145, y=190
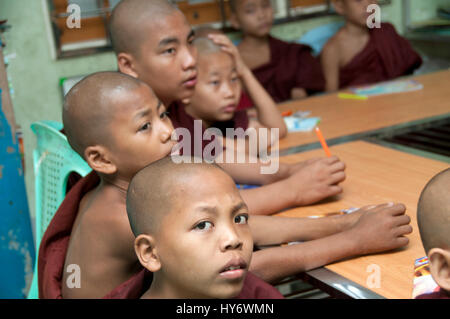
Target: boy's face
x=254, y=17
x=218, y=88
x=141, y=131
x=205, y=244
x=167, y=59
x=355, y=10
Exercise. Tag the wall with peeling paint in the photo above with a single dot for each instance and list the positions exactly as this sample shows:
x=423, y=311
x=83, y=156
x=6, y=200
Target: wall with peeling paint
x=17, y=252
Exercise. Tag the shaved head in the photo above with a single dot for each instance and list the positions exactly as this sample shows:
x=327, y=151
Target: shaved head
x=203, y=32
x=89, y=107
x=129, y=19
x=156, y=189
x=205, y=45
x=433, y=212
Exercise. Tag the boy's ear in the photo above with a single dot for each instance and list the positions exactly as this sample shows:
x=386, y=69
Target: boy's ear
x=99, y=160
x=440, y=267
x=234, y=21
x=147, y=253
x=126, y=62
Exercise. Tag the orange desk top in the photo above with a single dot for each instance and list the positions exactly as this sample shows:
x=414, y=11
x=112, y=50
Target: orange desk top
x=377, y=175
x=343, y=117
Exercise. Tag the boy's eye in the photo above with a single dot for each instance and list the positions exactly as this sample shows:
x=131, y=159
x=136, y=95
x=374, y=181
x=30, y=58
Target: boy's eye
x=164, y=114
x=215, y=82
x=145, y=127
x=203, y=225
x=170, y=51
x=241, y=219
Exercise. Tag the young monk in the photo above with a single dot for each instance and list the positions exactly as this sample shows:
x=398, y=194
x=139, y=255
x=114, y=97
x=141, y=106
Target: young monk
x=286, y=70
x=245, y=102
x=191, y=229
x=153, y=42
x=358, y=55
x=433, y=217
x=119, y=126
x=217, y=94
x=166, y=58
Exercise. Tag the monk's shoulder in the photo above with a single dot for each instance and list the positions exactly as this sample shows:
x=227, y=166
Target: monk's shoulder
x=104, y=212
x=331, y=50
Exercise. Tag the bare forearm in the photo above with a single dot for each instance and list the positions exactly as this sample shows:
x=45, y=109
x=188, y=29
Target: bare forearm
x=273, y=264
x=250, y=173
x=268, y=113
x=273, y=230
x=267, y=199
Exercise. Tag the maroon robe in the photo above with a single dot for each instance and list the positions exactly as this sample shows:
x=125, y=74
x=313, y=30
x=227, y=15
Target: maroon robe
x=54, y=244
x=440, y=294
x=291, y=66
x=245, y=102
x=386, y=56
x=180, y=118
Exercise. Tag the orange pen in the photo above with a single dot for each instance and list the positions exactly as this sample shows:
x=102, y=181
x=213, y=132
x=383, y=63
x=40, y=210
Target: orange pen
x=322, y=141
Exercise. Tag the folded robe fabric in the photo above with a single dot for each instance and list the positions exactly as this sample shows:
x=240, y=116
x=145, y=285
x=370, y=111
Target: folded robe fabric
x=54, y=245
x=386, y=56
x=291, y=66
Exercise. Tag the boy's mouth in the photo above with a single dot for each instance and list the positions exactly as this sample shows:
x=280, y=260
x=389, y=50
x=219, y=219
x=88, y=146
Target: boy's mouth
x=229, y=108
x=236, y=268
x=191, y=81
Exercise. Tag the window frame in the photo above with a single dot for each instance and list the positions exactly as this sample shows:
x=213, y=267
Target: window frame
x=97, y=40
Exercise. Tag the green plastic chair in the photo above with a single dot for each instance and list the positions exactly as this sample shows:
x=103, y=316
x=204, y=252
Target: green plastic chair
x=53, y=161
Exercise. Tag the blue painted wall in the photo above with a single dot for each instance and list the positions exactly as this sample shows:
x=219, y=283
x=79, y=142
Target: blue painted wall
x=17, y=252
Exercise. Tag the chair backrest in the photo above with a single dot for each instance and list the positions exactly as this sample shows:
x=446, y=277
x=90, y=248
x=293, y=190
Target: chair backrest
x=317, y=37
x=53, y=161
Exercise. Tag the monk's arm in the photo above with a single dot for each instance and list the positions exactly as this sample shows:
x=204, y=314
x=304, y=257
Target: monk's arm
x=274, y=230
x=250, y=173
x=377, y=228
x=330, y=65
x=298, y=93
x=268, y=113
x=272, y=264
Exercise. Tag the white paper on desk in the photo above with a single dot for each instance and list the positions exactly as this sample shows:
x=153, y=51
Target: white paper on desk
x=295, y=124
x=399, y=86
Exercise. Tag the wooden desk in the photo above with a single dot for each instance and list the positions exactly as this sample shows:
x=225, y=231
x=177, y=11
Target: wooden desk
x=377, y=175
x=343, y=120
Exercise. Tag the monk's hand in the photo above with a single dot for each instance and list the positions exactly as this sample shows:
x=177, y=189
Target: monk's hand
x=316, y=180
x=381, y=228
x=227, y=46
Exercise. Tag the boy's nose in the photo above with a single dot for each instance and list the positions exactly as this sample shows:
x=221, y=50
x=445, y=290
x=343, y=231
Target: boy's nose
x=228, y=91
x=230, y=240
x=189, y=58
x=261, y=14
x=166, y=132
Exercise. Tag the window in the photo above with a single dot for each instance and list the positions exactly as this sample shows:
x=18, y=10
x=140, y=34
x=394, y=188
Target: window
x=91, y=32
x=92, y=35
